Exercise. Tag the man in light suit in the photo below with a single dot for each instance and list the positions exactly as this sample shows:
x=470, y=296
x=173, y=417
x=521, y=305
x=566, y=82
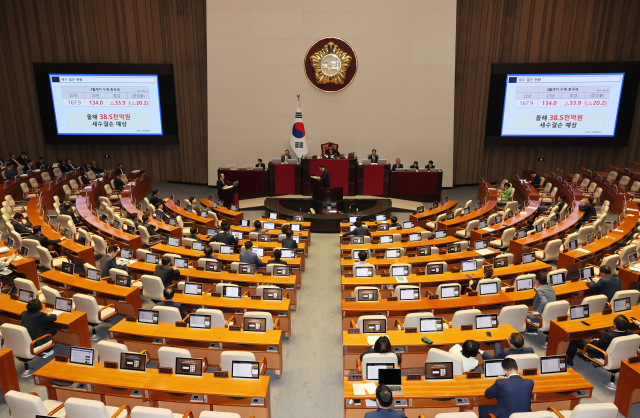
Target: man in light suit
x=515, y=341
x=397, y=165
x=544, y=295
x=512, y=392
x=324, y=177
x=285, y=157
x=374, y=156
x=249, y=257
x=168, y=301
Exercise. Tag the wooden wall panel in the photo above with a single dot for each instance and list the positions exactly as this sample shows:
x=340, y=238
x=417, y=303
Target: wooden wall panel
x=510, y=31
x=106, y=31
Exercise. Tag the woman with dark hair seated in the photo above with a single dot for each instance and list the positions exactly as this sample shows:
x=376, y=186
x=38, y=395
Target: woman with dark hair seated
x=36, y=321
x=468, y=352
x=382, y=345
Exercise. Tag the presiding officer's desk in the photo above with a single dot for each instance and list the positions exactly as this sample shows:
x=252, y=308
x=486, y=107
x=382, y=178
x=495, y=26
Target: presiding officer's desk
x=430, y=398
x=209, y=343
x=561, y=333
x=420, y=219
x=285, y=178
x=431, y=282
x=411, y=348
x=231, y=216
x=110, y=234
x=114, y=388
x=73, y=328
x=126, y=299
x=209, y=279
x=231, y=307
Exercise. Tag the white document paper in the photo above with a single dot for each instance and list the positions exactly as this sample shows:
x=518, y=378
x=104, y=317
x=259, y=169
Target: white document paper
x=488, y=229
x=358, y=389
x=370, y=388
x=485, y=251
x=370, y=403
x=582, y=250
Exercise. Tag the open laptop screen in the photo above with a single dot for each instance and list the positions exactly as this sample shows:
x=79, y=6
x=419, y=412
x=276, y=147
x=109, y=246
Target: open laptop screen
x=407, y=225
x=93, y=274
x=386, y=239
x=373, y=369
x=200, y=321
x=64, y=304
x=431, y=324
x=441, y=234
x=493, y=368
x=579, y=311
x=586, y=273
x=553, y=364
x=400, y=270
x=197, y=246
x=528, y=258
x=480, y=244
x=392, y=253
x=229, y=291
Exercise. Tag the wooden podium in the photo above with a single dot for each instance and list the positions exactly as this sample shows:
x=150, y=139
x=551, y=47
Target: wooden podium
x=325, y=194
x=230, y=195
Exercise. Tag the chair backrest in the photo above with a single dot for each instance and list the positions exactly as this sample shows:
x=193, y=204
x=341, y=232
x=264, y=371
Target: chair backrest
x=167, y=356
x=552, y=249
x=583, y=232
x=152, y=287
x=114, y=272
x=217, y=317
x=465, y=317
x=45, y=177
x=492, y=219
x=507, y=236
x=355, y=254
x=57, y=172
x=50, y=294
x=82, y=408
x=17, y=239
x=596, y=303
x=150, y=412
x=144, y=234
x=635, y=186
x=168, y=314
x=100, y=244
x=621, y=348
x=261, y=315
x=218, y=414
x=17, y=339
x=141, y=253
x=576, y=178
x=226, y=357
x=110, y=351
x=45, y=257
x=412, y=320
x=513, y=206
x=594, y=410
x=25, y=284
x=24, y=404
x=435, y=355
x=372, y=358
x=624, y=180
x=514, y=315
x=612, y=175
x=553, y=310
x=633, y=296
x=372, y=288
x=569, y=238
x=625, y=252
x=592, y=187
x=471, y=225
x=557, y=271
x=363, y=317
x=526, y=361
x=87, y=304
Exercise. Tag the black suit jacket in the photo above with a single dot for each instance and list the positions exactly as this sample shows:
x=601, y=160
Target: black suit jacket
x=324, y=178
x=167, y=274
x=502, y=353
x=21, y=160
x=358, y=232
x=606, y=286
x=118, y=184
x=260, y=165
x=226, y=238
x=36, y=324
x=430, y=167
x=107, y=263
x=535, y=181
x=40, y=165
x=220, y=185
x=285, y=157
x=155, y=201
x=119, y=171
x=67, y=212
x=277, y=261
x=605, y=341
x=560, y=205
x=96, y=169
x=396, y=166
x=513, y=395
x=65, y=168
x=150, y=229
x=44, y=241
x=289, y=243
x=19, y=228
x=373, y=158
x=331, y=152
x=173, y=304
x=85, y=180
x=589, y=211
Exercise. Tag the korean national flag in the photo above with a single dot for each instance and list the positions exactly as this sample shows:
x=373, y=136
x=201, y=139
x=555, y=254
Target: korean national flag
x=298, y=138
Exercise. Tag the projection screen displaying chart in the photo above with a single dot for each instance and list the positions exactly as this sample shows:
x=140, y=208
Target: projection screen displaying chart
x=561, y=104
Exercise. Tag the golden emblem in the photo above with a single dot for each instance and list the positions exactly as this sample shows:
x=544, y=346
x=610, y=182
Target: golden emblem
x=330, y=64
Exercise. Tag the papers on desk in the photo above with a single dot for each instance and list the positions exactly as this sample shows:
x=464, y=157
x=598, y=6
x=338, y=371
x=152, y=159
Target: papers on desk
x=360, y=388
x=635, y=268
x=58, y=312
x=135, y=171
x=485, y=251
x=371, y=339
x=618, y=230
x=582, y=250
x=124, y=262
x=488, y=229
x=401, y=279
x=4, y=249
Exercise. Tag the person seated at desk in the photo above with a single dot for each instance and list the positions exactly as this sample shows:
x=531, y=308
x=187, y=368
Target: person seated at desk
x=208, y=254
x=362, y=258
x=468, y=352
x=153, y=234
x=134, y=218
x=166, y=271
x=118, y=184
x=373, y=157
x=506, y=195
x=23, y=158
x=515, y=342
x=44, y=241
x=249, y=257
x=155, y=199
x=28, y=166
x=608, y=284
x=119, y=170
x=95, y=168
x=620, y=329
x=394, y=223
x=225, y=236
x=162, y=210
x=415, y=165
x=257, y=227
x=18, y=226
x=430, y=165
x=108, y=261
x=260, y=163
x=384, y=400
x=289, y=242
x=285, y=156
x=10, y=172
x=536, y=179
x=544, y=295
x=586, y=206
x=359, y=230
x=528, y=224
x=193, y=234
x=67, y=209
x=276, y=258
x=512, y=392
x=83, y=177
x=191, y=204
x=397, y=165
x=560, y=203
x=36, y=321
x=68, y=166
x=331, y=153
x=382, y=346
x=168, y=301
x=40, y=164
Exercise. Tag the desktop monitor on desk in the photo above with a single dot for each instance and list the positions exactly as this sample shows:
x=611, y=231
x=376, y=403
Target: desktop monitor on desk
x=148, y=316
x=587, y=273
x=231, y=291
x=244, y=223
x=356, y=240
x=415, y=237
x=579, y=312
x=469, y=265
x=269, y=225
x=296, y=238
x=480, y=244
x=553, y=364
x=25, y=295
x=400, y=271
x=441, y=234
x=438, y=371
x=373, y=370
x=213, y=266
x=525, y=283
x=254, y=324
x=152, y=258
x=133, y=361
x=454, y=248
x=423, y=251
x=24, y=251
x=431, y=324
x=181, y=263
x=407, y=225
x=66, y=268
x=352, y=219
x=435, y=269
x=488, y=289
x=296, y=227
x=392, y=253
x=381, y=218
x=264, y=238
x=245, y=370
x=367, y=295
x=200, y=321
x=272, y=293
x=226, y=249
x=273, y=215
x=528, y=258
x=573, y=244
x=522, y=233
x=282, y=271
x=364, y=271
x=258, y=251
x=409, y=294
x=487, y=321
x=493, y=369
x=93, y=274
x=384, y=226
x=197, y=246
x=173, y=242
x=123, y=280
x=193, y=289
x=447, y=292
x=557, y=278
x=237, y=234
x=64, y=304
x=287, y=253
x=386, y=239
x=81, y=355
x=189, y=366
x=374, y=326
x=622, y=304
x=247, y=269
x=211, y=232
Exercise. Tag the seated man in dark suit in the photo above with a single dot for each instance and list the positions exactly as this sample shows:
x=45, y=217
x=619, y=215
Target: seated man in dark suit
x=44, y=241
x=28, y=166
x=257, y=227
x=40, y=163
x=260, y=163
x=373, y=157
x=135, y=220
x=22, y=159
x=18, y=226
x=359, y=231
x=155, y=198
x=560, y=203
x=108, y=261
x=193, y=234
x=331, y=153
x=119, y=170
x=67, y=209
x=289, y=242
x=608, y=284
x=430, y=165
x=324, y=177
x=118, y=184
x=394, y=223
x=515, y=342
x=586, y=206
x=225, y=236
x=153, y=234
x=36, y=321
x=536, y=179
x=208, y=254
x=249, y=257
x=276, y=258
x=83, y=177
x=397, y=165
x=95, y=168
x=168, y=301
x=528, y=224
x=620, y=329
x=166, y=271
x=10, y=172
x=285, y=157
x=384, y=400
x=513, y=393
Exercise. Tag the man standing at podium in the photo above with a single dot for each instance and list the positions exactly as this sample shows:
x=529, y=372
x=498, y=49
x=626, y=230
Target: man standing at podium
x=220, y=186
x=324, y=177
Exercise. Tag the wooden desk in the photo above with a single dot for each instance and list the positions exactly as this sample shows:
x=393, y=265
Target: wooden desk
x=375, y=235
x=305, y=236
x=346, y=249
x=210, y=279
x=430, y=398
x=303, y=248
x=135, y=193
x=305, y=226
x=628, y=382
x=15, y=189
x=238, y=307
x=385, y=263
x=627, y=277
x=26, y=266
x=113, y=388
x=560, y=333
x=373, y=180
x=495, y=231
x=110, y=234
x=199, y=222
x=73, y=328
x=9, y=375
x=200, y=342
x=411, y=348
x=126, y=299
x=421, y=186
x=138, y=190
x=231, y=216
x=421, y=219
x=251, y=183
x=454, y=224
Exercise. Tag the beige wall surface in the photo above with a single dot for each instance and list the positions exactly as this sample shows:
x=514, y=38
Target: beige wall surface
x=401, y=101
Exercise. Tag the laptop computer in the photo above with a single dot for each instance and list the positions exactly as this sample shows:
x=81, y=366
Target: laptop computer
x=393, y=379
